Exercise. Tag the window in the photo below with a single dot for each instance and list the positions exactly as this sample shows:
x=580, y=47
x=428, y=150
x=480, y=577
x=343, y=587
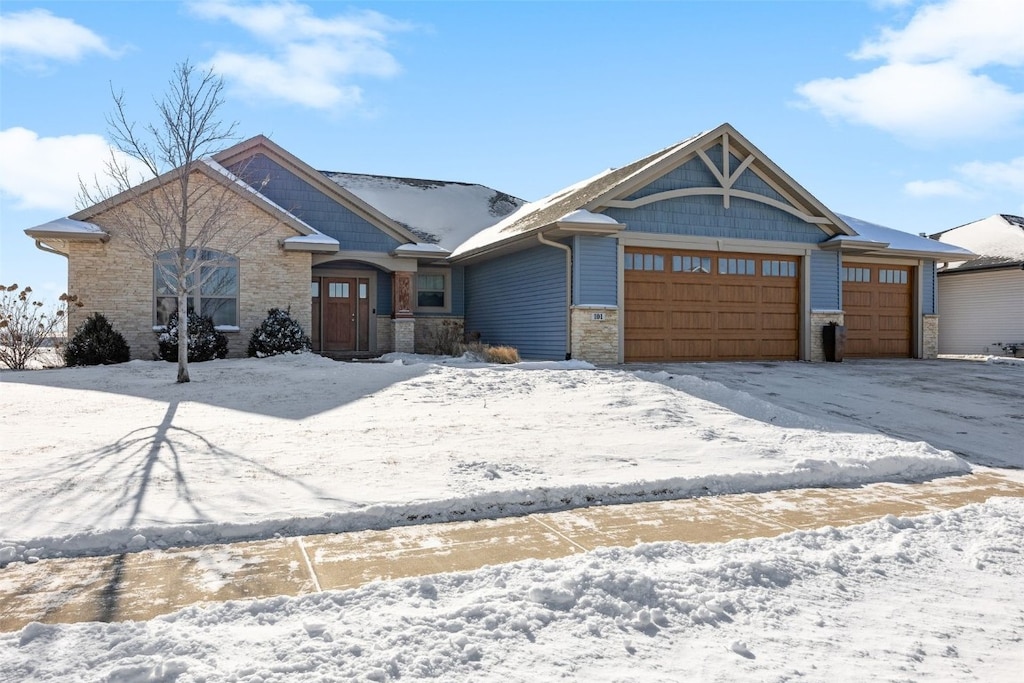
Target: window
x=644, y=262
x=337, y=290
x=217, y=292
x=856, y=274
x=691, y=264
x=735, y=266
x=430, y=290
x=772, y=268
x=314, y=289
x=892, y=276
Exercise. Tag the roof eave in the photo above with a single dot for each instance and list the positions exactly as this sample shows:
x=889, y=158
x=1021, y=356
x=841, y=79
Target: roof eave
x=312, y=247
x=67, y=236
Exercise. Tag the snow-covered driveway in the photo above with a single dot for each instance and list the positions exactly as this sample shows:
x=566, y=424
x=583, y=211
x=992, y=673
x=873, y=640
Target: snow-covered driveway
x=102, y=459
x=971, y=407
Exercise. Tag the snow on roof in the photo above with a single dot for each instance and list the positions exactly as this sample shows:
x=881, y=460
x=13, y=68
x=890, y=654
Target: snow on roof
x=559, y=205
x=998, y=238
x=584, y=216
x=315, y=238
x=897, y=240
x=439, y=212
x=68, y=226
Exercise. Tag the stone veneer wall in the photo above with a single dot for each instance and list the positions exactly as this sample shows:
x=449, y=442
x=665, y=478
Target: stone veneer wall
x=385, y=335
x=595, y=341
x=404, y=334
x=114, y=279
x=930, y=334
x=818, y=320
x=427, y=330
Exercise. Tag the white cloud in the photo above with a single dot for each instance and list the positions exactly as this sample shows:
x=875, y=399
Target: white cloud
x=975, y=179
x=42, y=173
x=936, y=188
x=972, y=33
x=311, y=61
x=928, y=101
x=1007, y=175
x=934, y=84
x=37, y=34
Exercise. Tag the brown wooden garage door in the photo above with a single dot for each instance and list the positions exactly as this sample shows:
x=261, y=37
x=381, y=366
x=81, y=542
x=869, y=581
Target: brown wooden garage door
x=877, y=301
x=693, y=305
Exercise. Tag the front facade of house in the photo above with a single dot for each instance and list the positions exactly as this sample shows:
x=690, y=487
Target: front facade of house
x=705, y=250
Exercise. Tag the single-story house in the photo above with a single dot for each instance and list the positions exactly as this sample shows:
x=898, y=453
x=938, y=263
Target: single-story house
x=981, y=301
x=704, y=250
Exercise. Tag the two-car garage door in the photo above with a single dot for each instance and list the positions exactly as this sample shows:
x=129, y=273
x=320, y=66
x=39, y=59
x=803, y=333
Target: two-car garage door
x=693, y=305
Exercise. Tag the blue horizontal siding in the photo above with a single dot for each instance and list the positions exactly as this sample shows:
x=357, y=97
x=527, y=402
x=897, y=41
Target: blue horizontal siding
x=520, y=300
x=313, y=206
x=384, y=306
x=458, y=290
x=929, y=295
x=595, y=271
x=826, y=284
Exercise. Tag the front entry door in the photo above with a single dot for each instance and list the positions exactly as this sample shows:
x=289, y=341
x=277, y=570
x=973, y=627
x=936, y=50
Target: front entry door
x=339, y=327
x=346, y=314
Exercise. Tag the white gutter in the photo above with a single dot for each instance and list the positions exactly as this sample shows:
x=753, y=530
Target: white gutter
x=568, y=290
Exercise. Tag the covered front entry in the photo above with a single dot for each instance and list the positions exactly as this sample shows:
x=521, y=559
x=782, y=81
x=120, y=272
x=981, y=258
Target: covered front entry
x=878, y=305
x=341, y=314
x=704, y=306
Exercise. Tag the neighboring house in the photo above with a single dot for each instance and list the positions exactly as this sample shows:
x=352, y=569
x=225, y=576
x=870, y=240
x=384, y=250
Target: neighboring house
x=981, y=302
x=705, y=250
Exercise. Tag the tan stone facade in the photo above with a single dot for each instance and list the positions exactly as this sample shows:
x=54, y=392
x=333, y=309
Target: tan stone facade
x=385, y=334
x=115, y=279
x=430, y=329
x=403, y=333
x=930, y=336
x=818, y=320
x=595, y=334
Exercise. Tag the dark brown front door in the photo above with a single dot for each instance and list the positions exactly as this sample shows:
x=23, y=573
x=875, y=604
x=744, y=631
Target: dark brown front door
x=339, y=323
x=341, y=315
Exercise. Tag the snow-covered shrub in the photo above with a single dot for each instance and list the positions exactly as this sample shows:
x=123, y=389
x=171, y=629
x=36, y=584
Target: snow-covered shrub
x=96, y=342
x=204, y=341
x=278, y=333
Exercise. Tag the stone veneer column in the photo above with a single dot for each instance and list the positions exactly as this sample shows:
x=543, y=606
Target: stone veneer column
x=595, y=334
x=403, y=324
x=818, y=320
x=930, y=336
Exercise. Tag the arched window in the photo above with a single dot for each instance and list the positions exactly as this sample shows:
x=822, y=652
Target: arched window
x=216, y=295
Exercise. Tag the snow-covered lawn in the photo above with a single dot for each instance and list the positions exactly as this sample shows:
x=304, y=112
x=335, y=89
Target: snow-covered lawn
x=102, y=459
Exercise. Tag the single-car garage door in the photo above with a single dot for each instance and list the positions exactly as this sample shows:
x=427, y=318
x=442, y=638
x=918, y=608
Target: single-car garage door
x=697, y=306
x=877, y=303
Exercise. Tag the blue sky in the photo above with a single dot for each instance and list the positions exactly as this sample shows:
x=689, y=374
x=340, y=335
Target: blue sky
x=909, y=114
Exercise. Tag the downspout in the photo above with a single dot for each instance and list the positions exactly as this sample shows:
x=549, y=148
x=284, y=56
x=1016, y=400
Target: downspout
x=42, y=247
x=568, y=290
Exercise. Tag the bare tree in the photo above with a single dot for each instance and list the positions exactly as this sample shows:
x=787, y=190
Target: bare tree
x=26, y=327
x=182, y=209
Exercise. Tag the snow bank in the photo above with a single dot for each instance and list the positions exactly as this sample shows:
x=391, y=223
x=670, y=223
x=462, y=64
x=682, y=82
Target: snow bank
x=932, y=598
x=300, y=444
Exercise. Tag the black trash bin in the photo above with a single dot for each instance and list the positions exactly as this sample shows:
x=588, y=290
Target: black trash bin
x=833, y=337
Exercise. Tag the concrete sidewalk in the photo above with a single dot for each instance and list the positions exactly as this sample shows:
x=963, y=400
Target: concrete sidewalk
x=143, y=585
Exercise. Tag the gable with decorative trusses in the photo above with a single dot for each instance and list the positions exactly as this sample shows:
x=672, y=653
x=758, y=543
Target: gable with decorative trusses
x=719, y=185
